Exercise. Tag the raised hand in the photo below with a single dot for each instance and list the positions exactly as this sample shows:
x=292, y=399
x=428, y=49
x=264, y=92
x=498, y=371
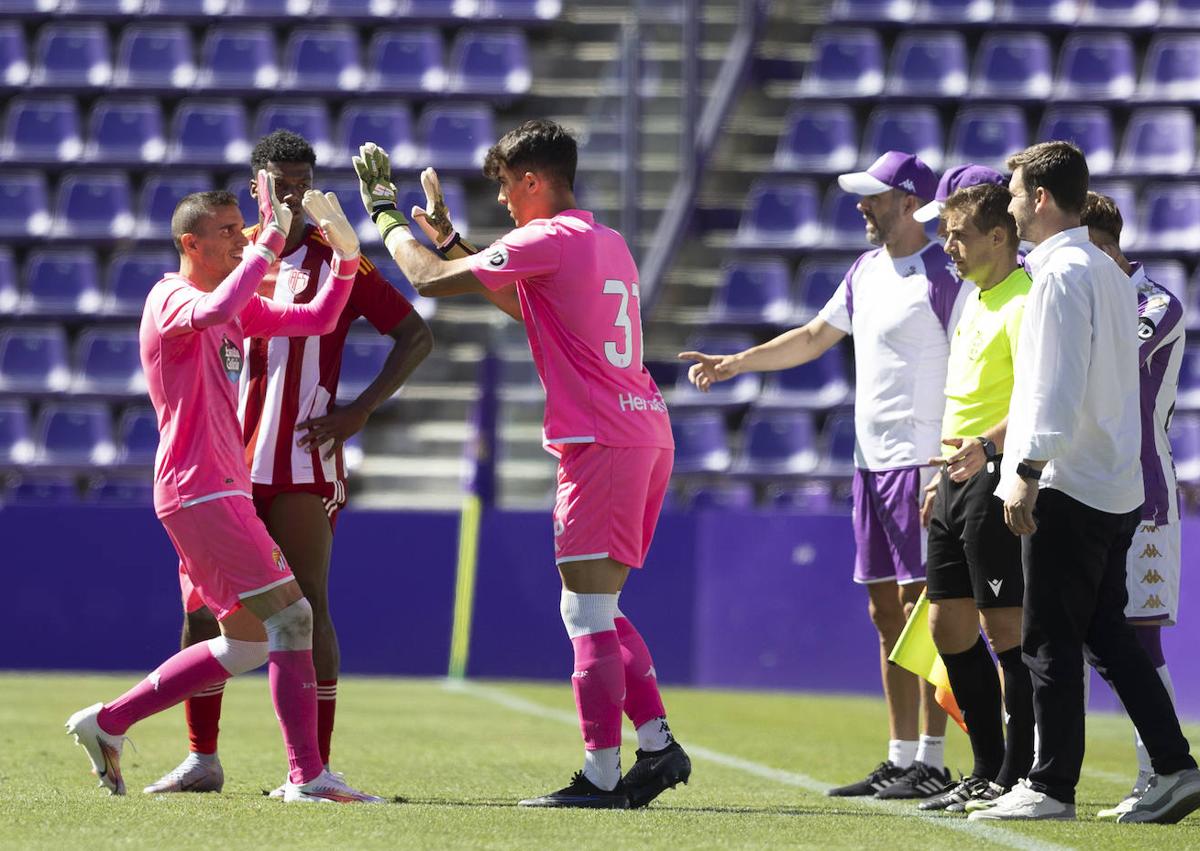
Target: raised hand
x=275, y=214
x=327, y=213
x=434, y=218
x=374, y=171
x=709, y=369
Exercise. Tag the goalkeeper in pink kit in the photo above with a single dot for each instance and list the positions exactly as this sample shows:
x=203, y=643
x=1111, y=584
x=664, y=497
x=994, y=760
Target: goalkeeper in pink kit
x=574, y=284
x=192, y=333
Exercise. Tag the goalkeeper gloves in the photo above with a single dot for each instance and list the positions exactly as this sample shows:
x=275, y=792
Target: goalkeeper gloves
x=336, y=228
x=374, y=172
x=275, y=215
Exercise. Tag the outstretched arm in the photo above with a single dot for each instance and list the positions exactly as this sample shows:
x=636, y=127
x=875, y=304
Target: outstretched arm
x=791, y=348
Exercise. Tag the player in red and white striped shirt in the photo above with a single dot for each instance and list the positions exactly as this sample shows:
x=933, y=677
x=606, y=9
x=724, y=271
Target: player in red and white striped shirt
x=294, y=436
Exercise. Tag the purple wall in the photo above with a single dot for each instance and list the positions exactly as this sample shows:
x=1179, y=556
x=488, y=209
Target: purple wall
x=742, y=599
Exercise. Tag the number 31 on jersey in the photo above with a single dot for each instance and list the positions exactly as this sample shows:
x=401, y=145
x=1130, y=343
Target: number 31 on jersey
x=622, y=358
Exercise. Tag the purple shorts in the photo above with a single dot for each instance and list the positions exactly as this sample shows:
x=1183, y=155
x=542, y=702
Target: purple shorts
x=887, y=526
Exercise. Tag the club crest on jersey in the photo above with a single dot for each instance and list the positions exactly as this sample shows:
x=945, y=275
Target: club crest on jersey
x=296, y=280
x=497, y=256
x=231, y=359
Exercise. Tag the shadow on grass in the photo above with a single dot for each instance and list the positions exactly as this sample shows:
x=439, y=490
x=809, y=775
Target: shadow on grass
x=768, y=810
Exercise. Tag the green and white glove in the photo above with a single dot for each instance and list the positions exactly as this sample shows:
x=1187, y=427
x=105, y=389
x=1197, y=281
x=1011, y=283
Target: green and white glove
x=374, y=171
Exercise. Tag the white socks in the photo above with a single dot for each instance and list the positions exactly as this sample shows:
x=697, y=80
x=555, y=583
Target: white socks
x=603, y=767
x=901, y=753
x=931, y=750
x=654, y=735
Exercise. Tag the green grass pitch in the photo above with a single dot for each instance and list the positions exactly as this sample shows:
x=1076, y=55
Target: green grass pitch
x=460, y=758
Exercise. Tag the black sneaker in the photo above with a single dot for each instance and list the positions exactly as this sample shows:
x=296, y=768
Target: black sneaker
x=956, y=793
x=655, y=772
x=884, y=775
x=583, y=793
x=918, y=781
x=984, y=797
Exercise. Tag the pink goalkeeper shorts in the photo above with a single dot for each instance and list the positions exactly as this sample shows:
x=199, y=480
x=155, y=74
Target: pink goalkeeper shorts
x=608, y=501
x=225, y=554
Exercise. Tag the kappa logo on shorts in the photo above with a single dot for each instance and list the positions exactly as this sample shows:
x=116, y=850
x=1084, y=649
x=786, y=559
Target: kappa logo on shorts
x=1149, y=529
x=280, y=561
x=1150, y=551
x=995, y=584
x=1152, y=577
x=1153, y=602
x=497, y=256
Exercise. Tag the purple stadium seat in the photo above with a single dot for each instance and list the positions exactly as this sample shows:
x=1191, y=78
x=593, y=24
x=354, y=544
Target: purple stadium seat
x=752, y=292
x=913, y=128
x=1089, y=127
x=443, y=10
x=1180, y=13
x=456, y=137
x=1189, y=380
x=407, y=60
x=107, y=361
x=818, y=137
x=42, y=129
x=846, y=63
x=124, y=129
x=120, y=490
x=701, y=443
x=16, y=443
x=75, y=433
x=42, y=490
x=1038, y=11
x=95, y=204
x=284, y=9
x=347, y=192
x=10, y=296
x=722, y=496
x=520, y=10
x=1159, y=141
x=1191, y=302
x=388, y=123
x=1185, y=448
x=955, y=11
x=137, y=436
x=736, y=392
x=159, y=56
x=240, y=187
x=777, y=443
x=24, y=208
x=131, y=275
x=323, y=59
x=844, y=224
x=33, y=359
x=183, y=8
x=309, y=118
x=161, y=193
x=1095, y=66
x=815, y=385
x=1169, y=218
x=61, y=282
x=1172, y=67
x=837, y=445
x=239, y=57
x=872, y=11
x=1170, y=274
x=1120, y=13
x=780, y=214
x=14, y=57
x=210, y=132
x=816, y=282
x=813, y=497
x=362, y=358
x=987, y=135
x=1125, y=196
x=72, y=54
x=490, y=63
x=1013, y=65
x=928, y=64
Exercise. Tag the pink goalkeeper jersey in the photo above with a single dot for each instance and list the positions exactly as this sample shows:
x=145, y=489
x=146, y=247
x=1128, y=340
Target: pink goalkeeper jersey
x=580, y=301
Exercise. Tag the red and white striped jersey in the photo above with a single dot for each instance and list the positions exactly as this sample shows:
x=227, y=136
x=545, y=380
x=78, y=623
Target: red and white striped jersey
x=288, y=380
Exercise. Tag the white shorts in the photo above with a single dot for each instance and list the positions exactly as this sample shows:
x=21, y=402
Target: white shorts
x=1152, y=574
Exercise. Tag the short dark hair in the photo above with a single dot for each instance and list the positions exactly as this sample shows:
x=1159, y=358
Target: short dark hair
x=195, y=208
x=986, y=205
x=1058, y=167
x=1102, y=213
x=281, y=146
x=539, y=145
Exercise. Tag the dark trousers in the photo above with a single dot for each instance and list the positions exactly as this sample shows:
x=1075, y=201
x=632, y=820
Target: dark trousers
x=1075, y=605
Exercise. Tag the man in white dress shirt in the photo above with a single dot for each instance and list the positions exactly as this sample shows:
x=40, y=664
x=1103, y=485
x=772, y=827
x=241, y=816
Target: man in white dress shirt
x=1071, y=482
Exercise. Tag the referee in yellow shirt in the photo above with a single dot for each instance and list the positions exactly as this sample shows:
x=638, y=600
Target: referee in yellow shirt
x=973, y=560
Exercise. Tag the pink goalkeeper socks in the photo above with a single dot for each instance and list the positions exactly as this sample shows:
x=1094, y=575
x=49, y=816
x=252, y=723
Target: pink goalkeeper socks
x=599, y=685
x=643, y=702
x=184, y=674
x=293, y=682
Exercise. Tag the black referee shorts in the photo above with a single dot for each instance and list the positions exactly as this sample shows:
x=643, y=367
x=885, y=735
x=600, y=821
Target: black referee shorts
x=971, y=551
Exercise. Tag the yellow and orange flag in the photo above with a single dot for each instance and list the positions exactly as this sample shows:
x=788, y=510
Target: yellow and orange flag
x=915, y=651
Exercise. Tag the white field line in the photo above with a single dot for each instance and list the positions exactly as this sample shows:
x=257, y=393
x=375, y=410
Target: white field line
x=983, y=831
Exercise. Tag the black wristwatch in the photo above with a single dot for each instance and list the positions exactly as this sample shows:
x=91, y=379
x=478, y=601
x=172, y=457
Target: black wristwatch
x=989, y=447
x=1027, y=472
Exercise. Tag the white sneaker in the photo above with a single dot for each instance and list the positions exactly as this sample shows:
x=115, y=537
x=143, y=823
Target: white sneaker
x=1139, y=789
x=1023, y=802
x=103, y=750
x=327, y=788
x=1167, y=799
x=197, y=773
x=278, y=791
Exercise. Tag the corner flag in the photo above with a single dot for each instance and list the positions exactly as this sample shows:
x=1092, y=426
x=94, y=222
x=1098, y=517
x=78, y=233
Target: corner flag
x=915, y=651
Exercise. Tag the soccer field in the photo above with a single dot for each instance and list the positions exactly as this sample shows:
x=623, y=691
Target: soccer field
x=458, y=759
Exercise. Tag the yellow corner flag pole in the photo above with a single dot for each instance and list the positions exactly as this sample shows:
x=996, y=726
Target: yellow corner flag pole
x=480, y=493
x=916, y=652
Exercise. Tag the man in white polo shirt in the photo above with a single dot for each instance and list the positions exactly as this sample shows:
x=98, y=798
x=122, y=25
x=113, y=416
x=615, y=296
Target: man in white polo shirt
x=900, y=301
